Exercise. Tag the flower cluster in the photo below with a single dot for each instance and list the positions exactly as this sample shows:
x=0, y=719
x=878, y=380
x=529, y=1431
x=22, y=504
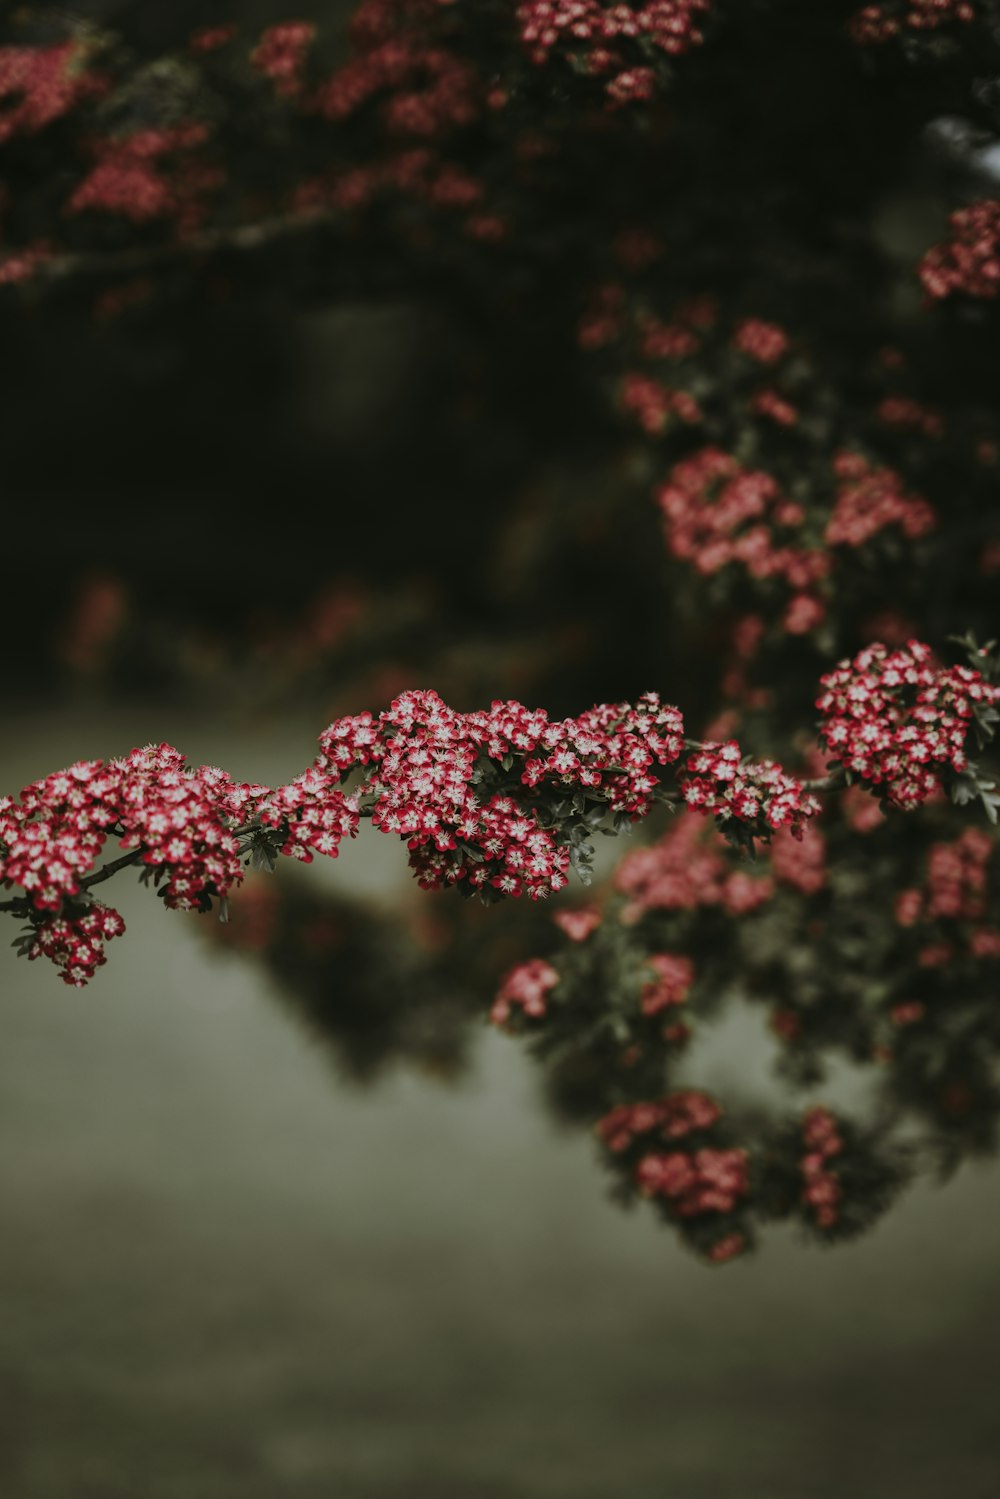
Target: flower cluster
x=766, y=343
x=821, y=1191
x=413, y=91
x=686, y=870
x=424, y=88
x=311, y=813
x=800, y=862
x=955, y=890
x=892, y=18
x=578, y=924
x=668, y=1118
x=956, y=881
x=688, y=1182
x=616, y=41
x=41, y=84
x=771, y=405
x=211, y=38
x=22, y=264
x=897, y=722
x=717, y=513
x=481, y=797
x=870, y=499
x=909, y=415
x=744, y=382
x=149, y=175
x=758, y=794
x=967, y=264
x=418, y=175
x=503, y=801
x=51, y=838
x=183, y=820
x=182, y=824
x=523, y=991
x=674, y=977
x=280, y=55
x=653, y=404
x=702, y=1181
x=74, y=941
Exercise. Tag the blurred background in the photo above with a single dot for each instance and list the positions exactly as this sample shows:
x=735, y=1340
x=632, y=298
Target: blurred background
x=306, y=1227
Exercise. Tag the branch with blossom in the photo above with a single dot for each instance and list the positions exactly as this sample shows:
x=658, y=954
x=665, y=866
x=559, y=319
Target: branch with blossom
x=498, y=803
x=616, y=1008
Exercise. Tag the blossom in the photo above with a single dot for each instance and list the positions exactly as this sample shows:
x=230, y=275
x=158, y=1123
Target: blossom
x=578, y=924
x=897, y=722
x=427, y=764
x=147, y=175
x=821, y=1189
x=869, y=499
x=764, y=342
x=524, y=989
x=702, y=1181
x=674, y=977
x=421, y=88
x=280, y=55
x=716, y=513
x=672, y=1117
x=685, y=870
x=611, y=39
x=74, y=941
x=312, y=813
x=954, y=892
x=39, y=85
x=760, y=795
x=967, y=264
x=875, y=24
x=800, y=862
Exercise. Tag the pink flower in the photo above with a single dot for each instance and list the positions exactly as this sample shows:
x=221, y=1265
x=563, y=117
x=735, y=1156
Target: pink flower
x=578, y=924
x=524, y=988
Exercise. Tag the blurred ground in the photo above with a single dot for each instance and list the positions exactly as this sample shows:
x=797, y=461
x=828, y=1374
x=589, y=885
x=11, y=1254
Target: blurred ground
x=225, y=1274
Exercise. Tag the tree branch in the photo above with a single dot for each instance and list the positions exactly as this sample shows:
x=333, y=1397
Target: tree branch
x=245, y=238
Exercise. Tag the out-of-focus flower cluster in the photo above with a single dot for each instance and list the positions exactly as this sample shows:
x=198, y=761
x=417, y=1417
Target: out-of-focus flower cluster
x=890, y=19
x=280, y=55
x=415, y=94
x=615, y=41
x=821, y=1189
x=39, y=85
x=422, y=87
x=523, y=990
x=967, y=264
x=869, y=499
x=695, y=1177
x=151, y=174
x=898, y=722
x=674, y=977
x=953, y=901
x=717, y=513
x=685, y=869
x=779, y=499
